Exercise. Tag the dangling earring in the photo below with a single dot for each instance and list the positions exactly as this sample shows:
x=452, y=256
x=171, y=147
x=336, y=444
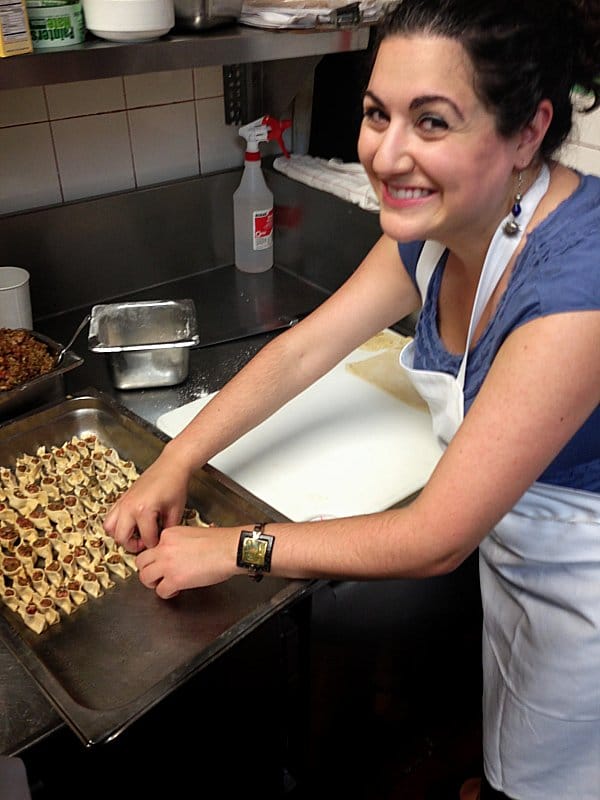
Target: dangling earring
x=511, y=226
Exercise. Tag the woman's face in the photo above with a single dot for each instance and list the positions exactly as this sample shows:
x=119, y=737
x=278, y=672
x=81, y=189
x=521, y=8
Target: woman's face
x=430, y=148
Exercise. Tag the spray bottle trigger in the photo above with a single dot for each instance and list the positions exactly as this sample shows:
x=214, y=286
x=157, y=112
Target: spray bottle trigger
x=276, y=129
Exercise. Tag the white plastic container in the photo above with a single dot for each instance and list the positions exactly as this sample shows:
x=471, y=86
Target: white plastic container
x=129, y=20
x=253, y=219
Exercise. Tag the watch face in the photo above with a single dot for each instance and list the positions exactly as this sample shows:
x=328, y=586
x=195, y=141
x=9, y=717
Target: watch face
x=254, y=551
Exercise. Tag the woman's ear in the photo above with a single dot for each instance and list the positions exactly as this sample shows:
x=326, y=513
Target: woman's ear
x=532, y=135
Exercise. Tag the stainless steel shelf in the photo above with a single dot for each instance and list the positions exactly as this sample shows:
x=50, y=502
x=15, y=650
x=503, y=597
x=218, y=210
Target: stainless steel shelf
x=235, y=44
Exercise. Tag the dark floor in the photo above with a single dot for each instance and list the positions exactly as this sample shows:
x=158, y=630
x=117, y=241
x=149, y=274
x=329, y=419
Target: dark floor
x=398, y=751
x=396, y=700
x=392, y=711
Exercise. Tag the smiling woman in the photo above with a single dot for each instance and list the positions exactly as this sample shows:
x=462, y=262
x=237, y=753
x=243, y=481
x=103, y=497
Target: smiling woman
x=495, y=243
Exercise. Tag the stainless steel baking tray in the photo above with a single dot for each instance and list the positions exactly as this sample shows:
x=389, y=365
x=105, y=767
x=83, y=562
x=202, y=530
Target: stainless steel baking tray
x=39, y=391
x=120, y=654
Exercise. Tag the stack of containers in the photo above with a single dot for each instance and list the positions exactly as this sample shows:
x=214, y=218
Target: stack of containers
x=55, y=23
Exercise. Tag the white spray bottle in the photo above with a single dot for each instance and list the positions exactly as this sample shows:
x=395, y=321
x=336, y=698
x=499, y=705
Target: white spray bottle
x=253, y=200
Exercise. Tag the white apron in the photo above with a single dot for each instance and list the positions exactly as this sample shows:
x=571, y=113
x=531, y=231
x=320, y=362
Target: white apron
x=540, y=586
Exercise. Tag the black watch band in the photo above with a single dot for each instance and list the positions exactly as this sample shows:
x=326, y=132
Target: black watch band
x=254, y=552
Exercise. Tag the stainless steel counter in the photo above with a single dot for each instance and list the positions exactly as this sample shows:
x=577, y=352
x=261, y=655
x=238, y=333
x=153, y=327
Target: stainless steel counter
x=271, y=300
x=161, y=245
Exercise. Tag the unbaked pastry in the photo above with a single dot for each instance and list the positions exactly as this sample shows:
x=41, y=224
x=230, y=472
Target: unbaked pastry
x=54, y=551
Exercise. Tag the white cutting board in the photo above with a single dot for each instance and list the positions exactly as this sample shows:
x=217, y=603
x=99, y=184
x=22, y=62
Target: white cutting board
x=344, y=446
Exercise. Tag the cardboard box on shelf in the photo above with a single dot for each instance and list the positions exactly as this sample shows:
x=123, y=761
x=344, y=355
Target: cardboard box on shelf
x=15, y=36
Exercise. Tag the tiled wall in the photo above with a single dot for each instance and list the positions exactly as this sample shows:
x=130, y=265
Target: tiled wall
x=75, y=140
x=582, y=151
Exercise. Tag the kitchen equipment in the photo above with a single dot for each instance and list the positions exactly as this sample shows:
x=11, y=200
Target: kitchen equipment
x=120, y=654
x=346, y=445
x=39, y=391
x=63, y=350
x=129, y=20
x=15, y=301
x=147, y=342
x=197, y=15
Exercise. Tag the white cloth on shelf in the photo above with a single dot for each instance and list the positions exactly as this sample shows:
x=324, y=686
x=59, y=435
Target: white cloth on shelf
x=304, y=14
x=346, y=180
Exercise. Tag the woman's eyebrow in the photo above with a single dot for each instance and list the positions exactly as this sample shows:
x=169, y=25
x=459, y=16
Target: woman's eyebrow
x=421, y=101
x=435, y=98
x=374, y=98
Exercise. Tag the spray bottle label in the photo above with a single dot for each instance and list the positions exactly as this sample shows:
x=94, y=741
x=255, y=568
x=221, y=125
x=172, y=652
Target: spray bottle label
x=262, y=227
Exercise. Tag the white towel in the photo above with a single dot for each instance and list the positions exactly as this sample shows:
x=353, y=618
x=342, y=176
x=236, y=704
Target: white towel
x=304, y=13
x=346, y=180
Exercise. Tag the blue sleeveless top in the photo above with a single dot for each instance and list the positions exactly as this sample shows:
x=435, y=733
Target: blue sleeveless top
x=557, y=271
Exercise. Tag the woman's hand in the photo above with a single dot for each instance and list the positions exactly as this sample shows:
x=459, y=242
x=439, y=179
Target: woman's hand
x=155, y=501
x=189, y=557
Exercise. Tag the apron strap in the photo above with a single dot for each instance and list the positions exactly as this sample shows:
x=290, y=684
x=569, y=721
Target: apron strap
x=500, y=251
x=428, y=261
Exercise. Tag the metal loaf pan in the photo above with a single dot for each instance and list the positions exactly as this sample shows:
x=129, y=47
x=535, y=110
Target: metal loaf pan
x=147, y=342
x=39, y=391
x=120, y=654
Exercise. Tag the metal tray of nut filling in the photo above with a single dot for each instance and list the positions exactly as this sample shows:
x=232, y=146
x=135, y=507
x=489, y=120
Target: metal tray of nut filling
x=120, y=654
x=43, y=389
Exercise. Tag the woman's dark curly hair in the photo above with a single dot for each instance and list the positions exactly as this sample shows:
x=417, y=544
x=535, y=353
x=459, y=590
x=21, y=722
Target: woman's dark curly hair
x=522, y=52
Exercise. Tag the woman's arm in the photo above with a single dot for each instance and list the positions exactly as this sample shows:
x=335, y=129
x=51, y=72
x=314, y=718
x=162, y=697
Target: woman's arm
x=543, y=384
x=378, y=294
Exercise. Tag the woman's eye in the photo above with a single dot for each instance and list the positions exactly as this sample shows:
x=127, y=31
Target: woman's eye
x=431, y=123
x=375, y=115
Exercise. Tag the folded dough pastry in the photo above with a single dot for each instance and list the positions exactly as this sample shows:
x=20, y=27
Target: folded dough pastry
x=76, y=592
x=90, y=583
x=117, y=565
x=39, y=583
x=42, y=547
x=54, y=573
x=47, y=608
x=9, y=598
x=58, y=513
x=7, y=514
x=9, y=537
x=33, y=617
x=62, y=598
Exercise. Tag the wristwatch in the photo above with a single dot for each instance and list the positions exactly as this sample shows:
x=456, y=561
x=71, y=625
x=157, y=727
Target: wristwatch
x=254, y=552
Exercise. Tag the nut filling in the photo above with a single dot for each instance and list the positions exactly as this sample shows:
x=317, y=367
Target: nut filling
x=22, y=358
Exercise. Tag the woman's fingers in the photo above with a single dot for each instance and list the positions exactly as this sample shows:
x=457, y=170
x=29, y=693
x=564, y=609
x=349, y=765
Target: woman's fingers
x=134, y=531
x=151, y=575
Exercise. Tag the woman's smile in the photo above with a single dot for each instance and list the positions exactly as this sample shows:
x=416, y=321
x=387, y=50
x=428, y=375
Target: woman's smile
x=404, y=196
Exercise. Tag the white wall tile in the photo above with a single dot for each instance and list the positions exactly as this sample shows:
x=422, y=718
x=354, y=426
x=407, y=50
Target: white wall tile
x=220, y=145
x=22, y=106
x=158, y=87
x=208, y=82
x=94, y=155
x=586, y=129
x=28, y=174
x=164, y=143
x=585, y=159
x=85, y=97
